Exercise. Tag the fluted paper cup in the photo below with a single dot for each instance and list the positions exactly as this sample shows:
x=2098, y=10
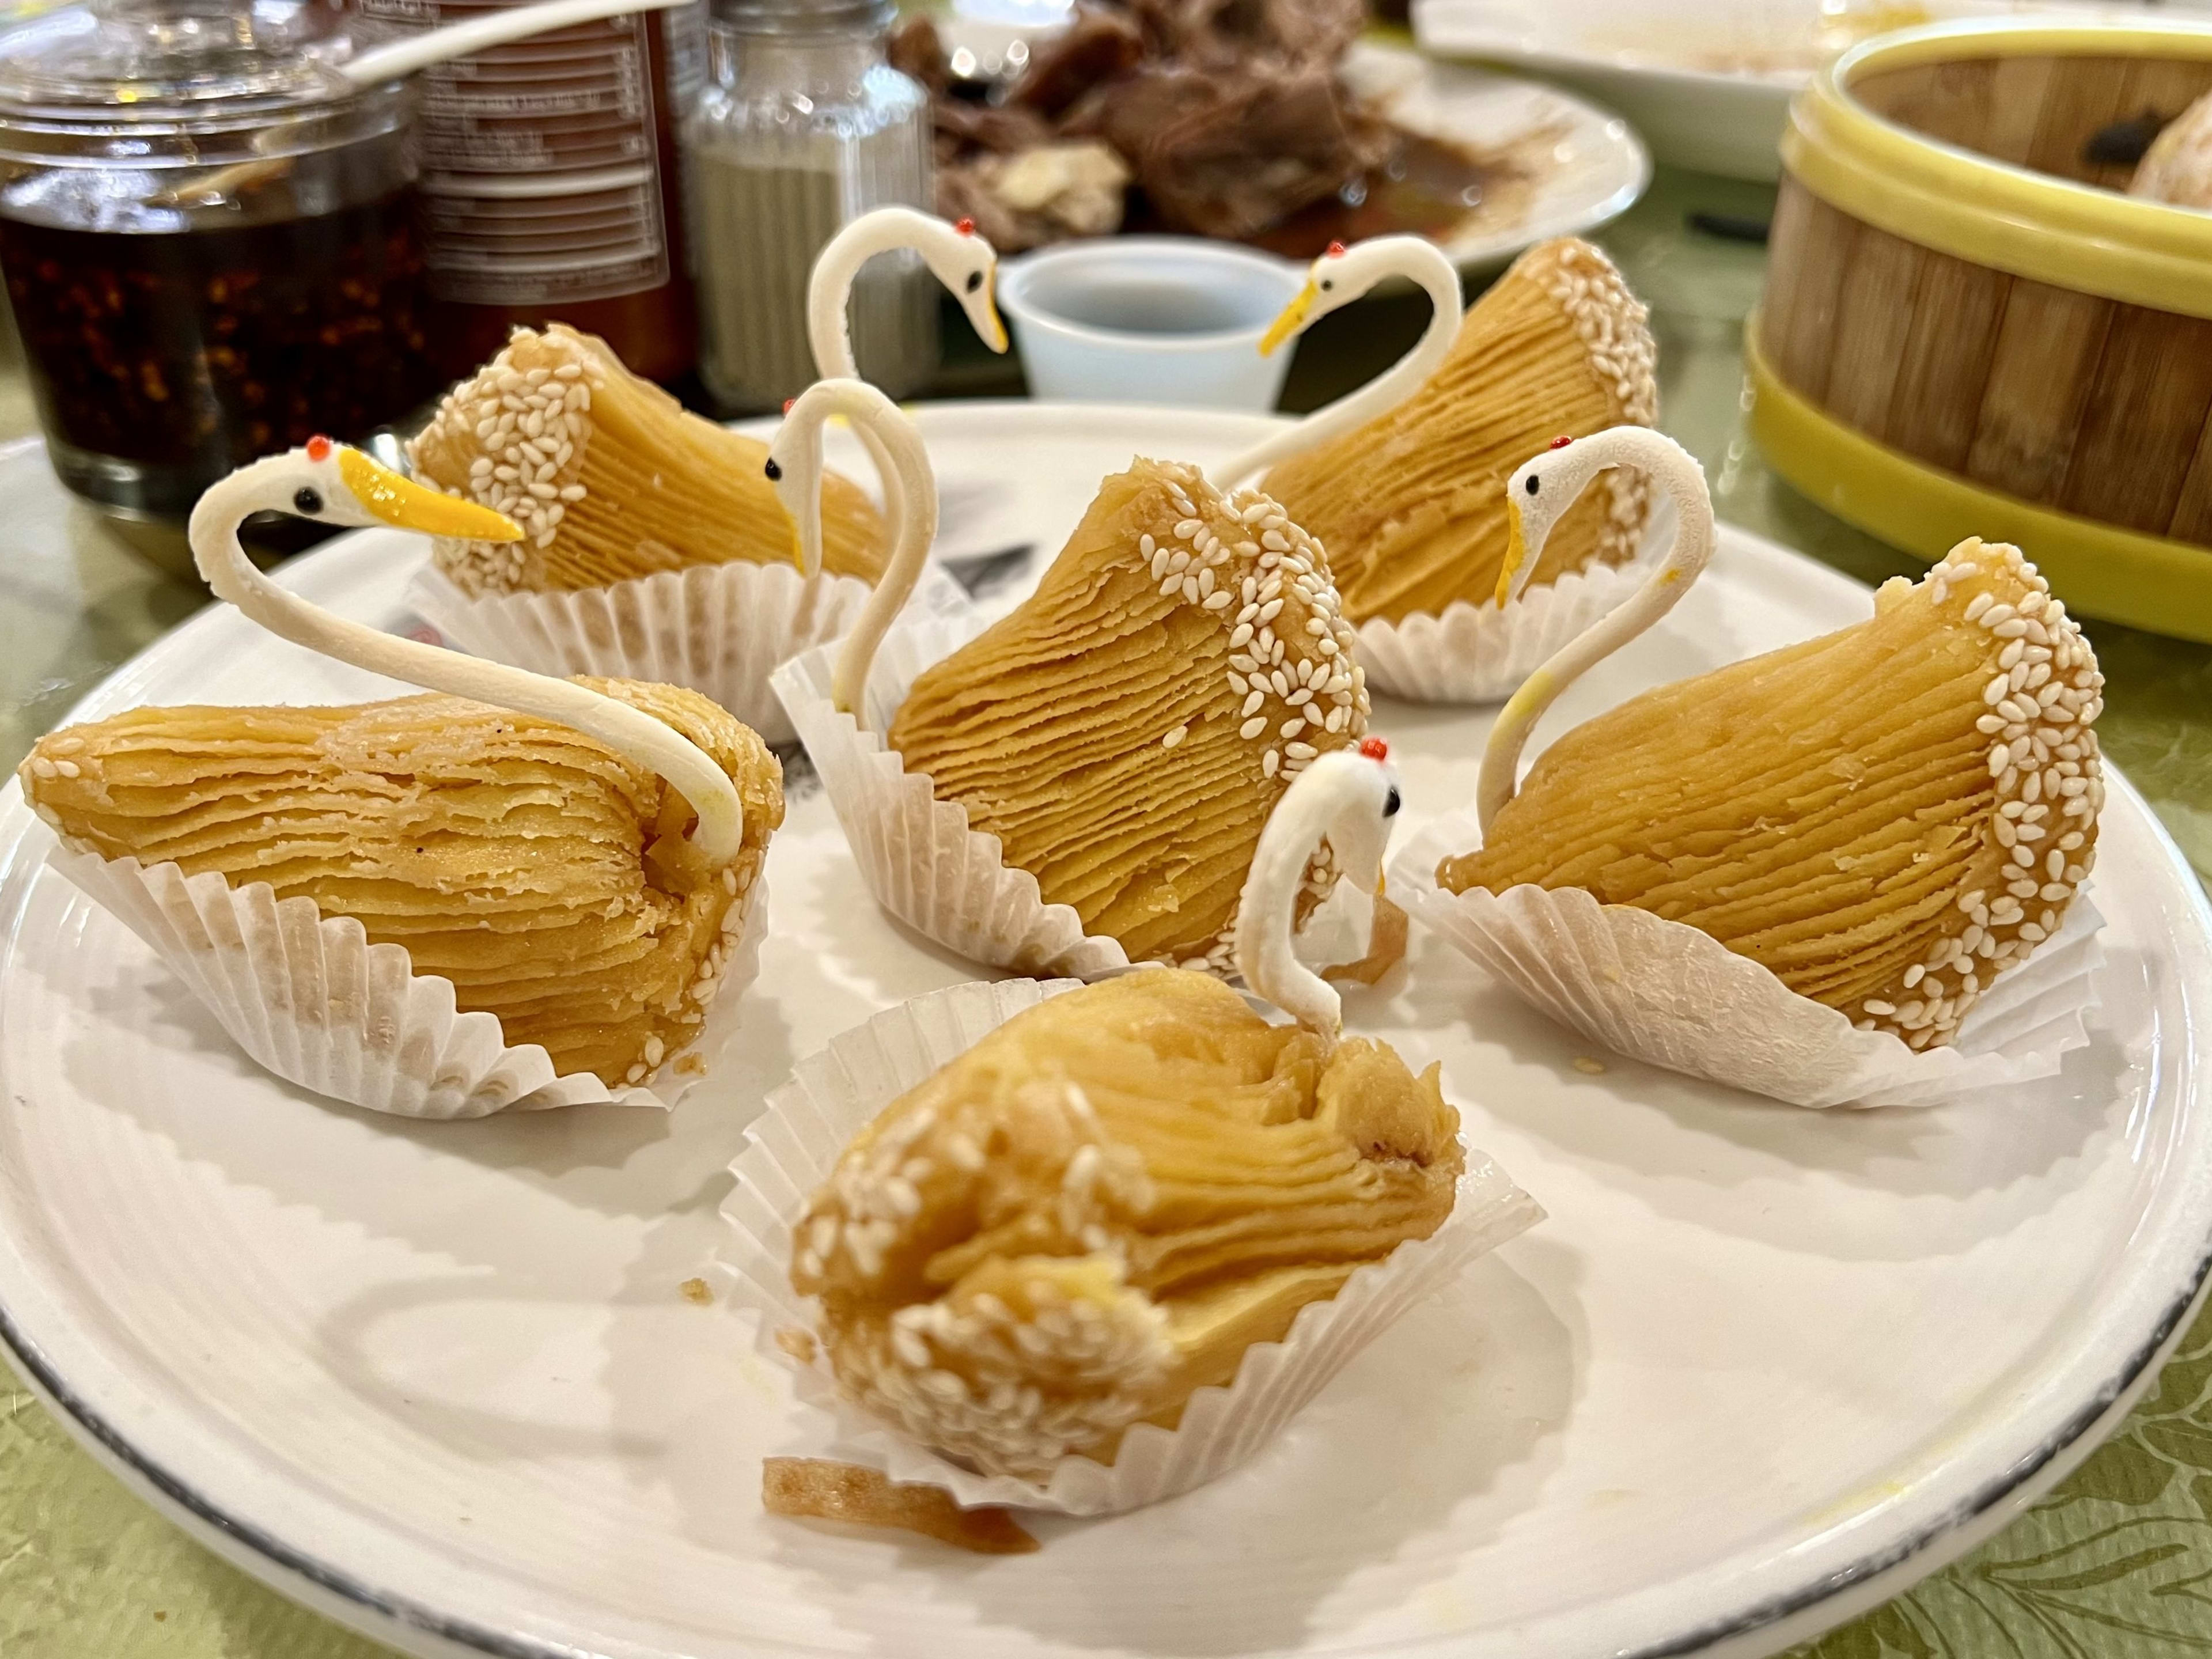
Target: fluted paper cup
x=1666, y=993
x=791, y=1148
x=310, y=999
x=1481, y=653
x=718, y=629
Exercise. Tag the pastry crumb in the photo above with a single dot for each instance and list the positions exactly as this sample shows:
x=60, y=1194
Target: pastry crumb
x=690, y=1066
x=696, y=1290
x=1593, y=1067
x=798, y=1343
x=814, y=1488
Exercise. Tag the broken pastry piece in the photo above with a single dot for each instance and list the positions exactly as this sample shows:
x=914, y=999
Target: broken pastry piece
x=576, y=857
x=1126, y=731
x=1105, y=1204
x=1886, y=817
x=1409, y=497
x=816, y=1489
x=610, y=478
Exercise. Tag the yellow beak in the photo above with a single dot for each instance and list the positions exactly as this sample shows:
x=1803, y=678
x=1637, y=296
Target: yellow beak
x=1517, y=552
x=1292, y=319
x=406, y=505
x=995, y=337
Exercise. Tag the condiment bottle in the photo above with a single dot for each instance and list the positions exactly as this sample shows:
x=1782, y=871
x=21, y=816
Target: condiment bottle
x=804, y=125
x=550, y=187
x=209, y=240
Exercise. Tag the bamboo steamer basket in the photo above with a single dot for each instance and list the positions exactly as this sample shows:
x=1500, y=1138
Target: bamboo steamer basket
x=1969, y=330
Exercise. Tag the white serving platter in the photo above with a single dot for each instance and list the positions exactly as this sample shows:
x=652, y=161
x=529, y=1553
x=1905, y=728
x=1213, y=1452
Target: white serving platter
x=1759, y=1368
x=1707, y=82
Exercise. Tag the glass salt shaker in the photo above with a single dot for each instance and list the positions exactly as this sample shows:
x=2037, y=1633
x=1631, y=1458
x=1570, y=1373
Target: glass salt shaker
x=208, y=239
x=802, y=126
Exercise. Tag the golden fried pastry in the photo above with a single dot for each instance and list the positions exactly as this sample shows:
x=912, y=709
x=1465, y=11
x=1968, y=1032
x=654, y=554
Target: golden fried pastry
x=1127, y=729
x=1886, y=817
x=545, y=875
x=1411, y=505
x=816, y=1489
x=1098, y=1208
x=609, y=478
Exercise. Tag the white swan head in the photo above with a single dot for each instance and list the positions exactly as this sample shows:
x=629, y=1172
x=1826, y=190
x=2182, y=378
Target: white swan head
x=1540, y=490
x=958, y=257
x=334, y=484
x=1347, y=798
x=794, y=467
x=1546, y=485
x=1341, y=276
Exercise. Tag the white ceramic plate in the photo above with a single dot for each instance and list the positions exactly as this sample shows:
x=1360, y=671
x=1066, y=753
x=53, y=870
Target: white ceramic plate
x=1707, y=82
x=1760, y=1367
x=1586, y=165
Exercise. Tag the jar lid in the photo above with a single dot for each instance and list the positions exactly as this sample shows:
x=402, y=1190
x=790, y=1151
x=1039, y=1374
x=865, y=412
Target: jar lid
x=132, y=61
x=806, y=16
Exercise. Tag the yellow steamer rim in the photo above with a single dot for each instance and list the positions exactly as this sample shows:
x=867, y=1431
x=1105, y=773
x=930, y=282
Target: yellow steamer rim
x=1963, y=238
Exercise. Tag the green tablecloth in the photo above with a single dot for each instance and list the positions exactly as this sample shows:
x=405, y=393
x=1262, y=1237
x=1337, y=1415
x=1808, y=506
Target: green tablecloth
x=2117, y=1562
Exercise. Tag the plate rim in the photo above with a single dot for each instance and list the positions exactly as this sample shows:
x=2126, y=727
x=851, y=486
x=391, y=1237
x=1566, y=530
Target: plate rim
x=328, y=1588
x=1511, y=241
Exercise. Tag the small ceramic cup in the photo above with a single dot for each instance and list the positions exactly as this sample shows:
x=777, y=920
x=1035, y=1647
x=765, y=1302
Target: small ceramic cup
x=1149, y=319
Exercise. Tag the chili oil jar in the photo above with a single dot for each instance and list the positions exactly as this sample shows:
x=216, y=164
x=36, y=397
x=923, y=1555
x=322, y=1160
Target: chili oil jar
x=209, y=240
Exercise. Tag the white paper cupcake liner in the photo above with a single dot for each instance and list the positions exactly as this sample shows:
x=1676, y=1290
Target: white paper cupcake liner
x=718, y=629
x=792, y=1148
x=920, y=859
x=1666, y=993
x=1480, y=653
x=310, y=999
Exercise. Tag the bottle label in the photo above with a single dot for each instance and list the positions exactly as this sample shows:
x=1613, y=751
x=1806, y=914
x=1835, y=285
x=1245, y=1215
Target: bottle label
x=541, y=178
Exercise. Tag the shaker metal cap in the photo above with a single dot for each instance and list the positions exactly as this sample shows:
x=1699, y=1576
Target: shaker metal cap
x=801, y=17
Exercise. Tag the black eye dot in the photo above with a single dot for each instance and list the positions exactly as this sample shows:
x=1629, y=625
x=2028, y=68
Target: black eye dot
x=1327, y=286
x=1533, y=484
x=1390, y=803
x=308, y=502
x=974, y=280
x=772, y=470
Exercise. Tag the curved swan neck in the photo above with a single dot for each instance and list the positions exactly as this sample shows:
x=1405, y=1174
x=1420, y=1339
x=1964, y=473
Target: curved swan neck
x=1339, y=799
x=1425, y=263
x=630, y=732
x=909, y=482
x=1672, y=468
x=829, y=290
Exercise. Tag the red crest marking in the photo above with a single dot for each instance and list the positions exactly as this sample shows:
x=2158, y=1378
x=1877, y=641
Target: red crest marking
x=787, y=402
x=1561, y=443
x=318, y=448
x=1336, y=250
x=1375, y=749
x=965, y=226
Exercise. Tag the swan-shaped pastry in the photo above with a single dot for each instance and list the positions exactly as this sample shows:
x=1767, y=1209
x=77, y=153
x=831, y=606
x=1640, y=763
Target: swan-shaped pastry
x=574, y=856
x=1100, y=1206
x=1402, y=481
x=962, y=260
x=1885, y=818
x=1121, y=737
